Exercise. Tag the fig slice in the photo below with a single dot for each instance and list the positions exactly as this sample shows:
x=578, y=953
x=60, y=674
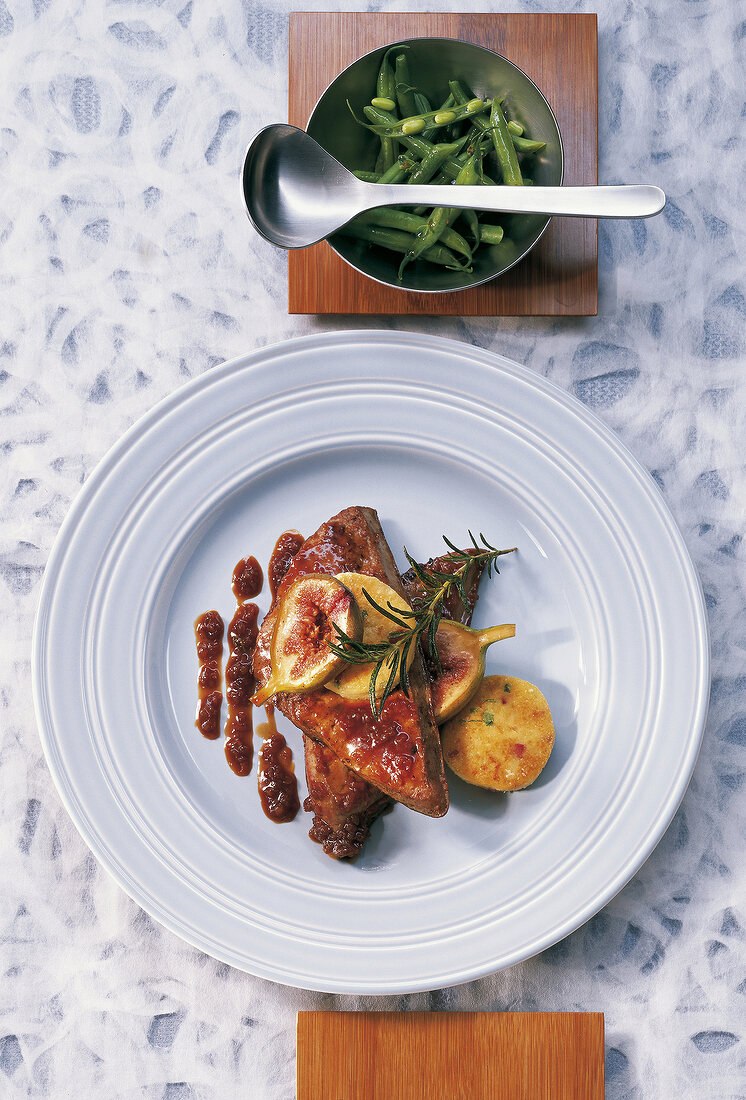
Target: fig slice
x=309, y=611
x=462, y=654
x=353, y=681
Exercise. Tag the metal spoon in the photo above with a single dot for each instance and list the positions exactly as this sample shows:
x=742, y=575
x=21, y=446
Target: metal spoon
x=297, y=194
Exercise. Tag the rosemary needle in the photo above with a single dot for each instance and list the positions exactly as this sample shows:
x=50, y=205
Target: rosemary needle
x=390, y=657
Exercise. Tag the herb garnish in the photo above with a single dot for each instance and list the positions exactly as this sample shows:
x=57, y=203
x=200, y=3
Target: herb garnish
x=390, y=657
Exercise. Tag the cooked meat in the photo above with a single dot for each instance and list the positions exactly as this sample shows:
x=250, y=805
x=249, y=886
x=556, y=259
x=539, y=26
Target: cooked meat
x=453, y=607
x=399, y=753
x=344, y=805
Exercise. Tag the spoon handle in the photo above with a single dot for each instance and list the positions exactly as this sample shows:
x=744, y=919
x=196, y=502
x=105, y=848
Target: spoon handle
x=630, y=201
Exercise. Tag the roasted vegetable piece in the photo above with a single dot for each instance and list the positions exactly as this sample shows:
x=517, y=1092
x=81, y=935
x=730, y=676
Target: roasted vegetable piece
x=306, y=619
x=503, y=738
x=462, y=654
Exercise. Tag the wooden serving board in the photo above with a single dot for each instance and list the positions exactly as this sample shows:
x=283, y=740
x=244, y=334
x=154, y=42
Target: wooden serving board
x=559, y=52
x=450, y=1056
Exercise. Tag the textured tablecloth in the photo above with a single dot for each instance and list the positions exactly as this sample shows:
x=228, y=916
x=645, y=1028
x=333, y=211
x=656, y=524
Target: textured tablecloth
x=127, y=267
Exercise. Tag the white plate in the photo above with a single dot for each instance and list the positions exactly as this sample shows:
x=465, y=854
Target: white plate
x=440, y=438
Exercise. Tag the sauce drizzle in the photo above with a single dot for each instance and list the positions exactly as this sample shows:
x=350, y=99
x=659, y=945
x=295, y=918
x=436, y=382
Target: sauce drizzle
x=286, y=547
x=266, y=729
x=240, y=686
x=278, y=787
x=208, y=633
x=247, y=579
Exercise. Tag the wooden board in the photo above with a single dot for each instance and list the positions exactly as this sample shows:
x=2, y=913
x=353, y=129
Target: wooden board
x=560, y=54
x=450, y=1056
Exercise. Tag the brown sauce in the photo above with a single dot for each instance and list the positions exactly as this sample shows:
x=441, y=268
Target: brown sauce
x=266, y=729
x=247, y=579
x=286, y=547
x=240, y=686
x=278, y=787
x=381, y=749
x=208, y=633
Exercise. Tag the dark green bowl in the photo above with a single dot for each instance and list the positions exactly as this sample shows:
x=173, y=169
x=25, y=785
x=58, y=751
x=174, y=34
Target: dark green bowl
x=433, y=62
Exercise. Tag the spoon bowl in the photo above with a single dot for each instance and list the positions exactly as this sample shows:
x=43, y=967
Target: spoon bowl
x=295, y=193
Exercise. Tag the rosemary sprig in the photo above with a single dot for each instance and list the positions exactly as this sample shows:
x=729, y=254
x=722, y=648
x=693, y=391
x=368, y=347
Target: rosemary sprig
x=390, y=657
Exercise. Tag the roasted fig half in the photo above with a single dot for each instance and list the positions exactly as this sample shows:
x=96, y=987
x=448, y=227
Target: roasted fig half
x=309, y=612
x=462, y=659
x=353, y=681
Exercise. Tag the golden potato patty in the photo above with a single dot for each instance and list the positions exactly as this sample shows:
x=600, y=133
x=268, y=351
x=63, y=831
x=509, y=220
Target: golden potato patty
x=503, y=737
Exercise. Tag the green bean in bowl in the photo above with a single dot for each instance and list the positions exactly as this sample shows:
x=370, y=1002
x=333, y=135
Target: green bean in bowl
x=445, y=112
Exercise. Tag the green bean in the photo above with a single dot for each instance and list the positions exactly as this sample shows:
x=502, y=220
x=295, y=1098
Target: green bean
x=366, y=177
x=444, y=177
x=391, y=218
x=433, y=161
x=472, y=222
x=504, y=147
x=471, y=176
x=421, y=103
x=384, y=125
x=525, y=145
x=386, y=89
x=421, y=148
x=461, y=97
x=428, y=236
x=386, y=82
x=448, y=174
x=399, y=241
x=404, y=90
x=401, y=167
x=452, y=168
x=459, y=92
x=521, y=143
x=442, y=217
x=491, y=234
x=430, y=132
x=375, y=114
